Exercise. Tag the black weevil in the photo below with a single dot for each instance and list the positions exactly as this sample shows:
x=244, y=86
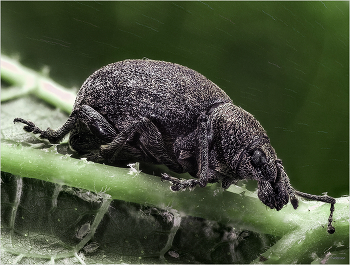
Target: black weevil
x=168, y=114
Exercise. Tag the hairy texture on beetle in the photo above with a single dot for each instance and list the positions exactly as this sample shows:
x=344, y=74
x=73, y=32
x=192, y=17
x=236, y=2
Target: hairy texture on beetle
x=165, y=113
x=141, y=88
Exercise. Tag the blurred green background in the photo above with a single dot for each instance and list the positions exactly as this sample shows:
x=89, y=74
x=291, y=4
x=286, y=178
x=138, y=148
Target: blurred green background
x=287, y=63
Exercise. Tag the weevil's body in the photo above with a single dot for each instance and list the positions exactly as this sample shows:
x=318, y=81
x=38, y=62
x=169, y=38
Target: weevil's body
x=172, y=98
x=169, y=114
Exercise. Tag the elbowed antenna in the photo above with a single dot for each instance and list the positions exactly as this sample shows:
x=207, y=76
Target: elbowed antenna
x=292, y=192
x=323, y=198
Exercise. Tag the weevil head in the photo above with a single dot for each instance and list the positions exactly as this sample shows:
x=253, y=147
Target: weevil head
x=259, y=162
x=245, y=152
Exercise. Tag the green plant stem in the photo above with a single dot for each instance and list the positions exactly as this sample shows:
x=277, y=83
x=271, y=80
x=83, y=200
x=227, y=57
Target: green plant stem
x=12, y=93
x=228, y=207
x=298, y=246
x=38, y=84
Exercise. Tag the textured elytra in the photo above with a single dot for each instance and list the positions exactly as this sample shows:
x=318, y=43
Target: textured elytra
x=140, y=88
x=166, y=113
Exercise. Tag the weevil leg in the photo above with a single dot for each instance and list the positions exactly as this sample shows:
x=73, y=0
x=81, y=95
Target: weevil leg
x=203, y=149
x=90, y=131
x=204, y=174
x=54, y=136
x=182, y=184
x=82, y=140
x=111, y=150
x=97, y=124
x=150, y=142
x=185, y=152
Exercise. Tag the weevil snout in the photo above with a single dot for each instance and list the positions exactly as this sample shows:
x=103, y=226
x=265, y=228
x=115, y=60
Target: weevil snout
x=273, y=194
x=261, y=163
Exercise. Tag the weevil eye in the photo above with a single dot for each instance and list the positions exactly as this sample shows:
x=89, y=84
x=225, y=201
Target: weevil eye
x=258, y=158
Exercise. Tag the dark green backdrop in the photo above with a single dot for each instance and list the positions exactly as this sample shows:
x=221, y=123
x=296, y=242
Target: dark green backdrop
x=285, y=62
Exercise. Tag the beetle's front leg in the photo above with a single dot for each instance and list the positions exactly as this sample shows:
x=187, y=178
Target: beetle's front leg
x=204, y=174
x=182, y=184
x=203, y=149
